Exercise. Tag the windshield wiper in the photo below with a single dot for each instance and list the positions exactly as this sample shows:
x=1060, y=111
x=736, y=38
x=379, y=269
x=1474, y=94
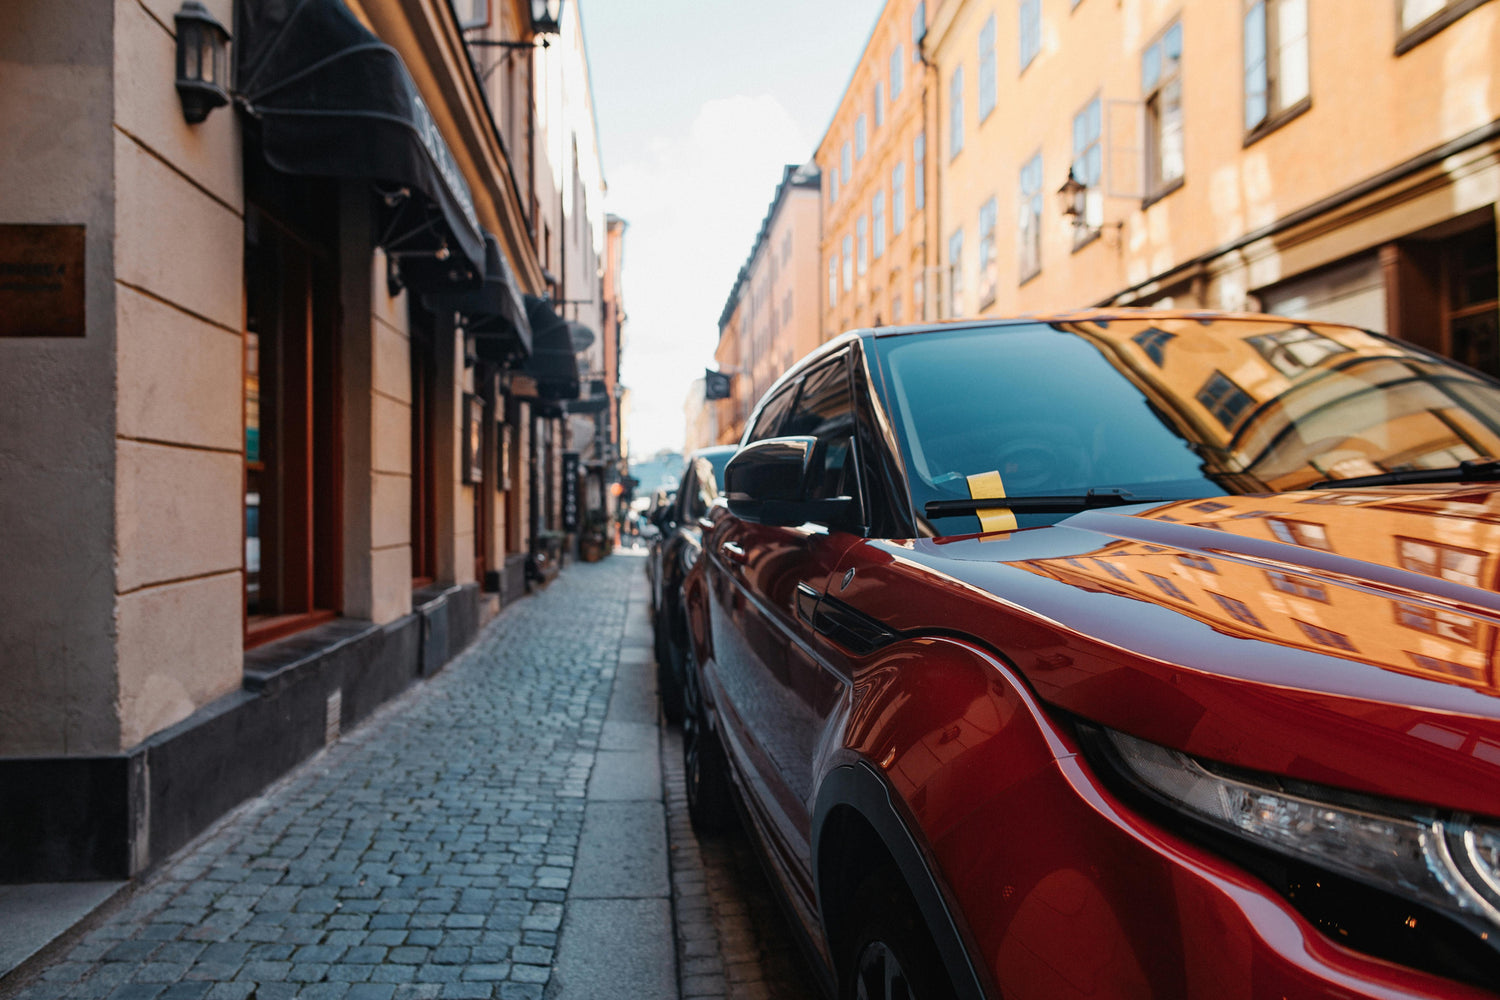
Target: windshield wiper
x=1474, y=470
x=1065, y=504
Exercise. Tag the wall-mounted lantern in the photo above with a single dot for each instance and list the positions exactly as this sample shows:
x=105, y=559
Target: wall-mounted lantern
x=1071, y=199
x=202, y=61
x=546, y=16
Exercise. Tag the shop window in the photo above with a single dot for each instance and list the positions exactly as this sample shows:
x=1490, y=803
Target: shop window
x=1276, y=70
x=1442, y=293
x=1419, y=20
x=423, y=450
x=293, y=535
x=1161, y=85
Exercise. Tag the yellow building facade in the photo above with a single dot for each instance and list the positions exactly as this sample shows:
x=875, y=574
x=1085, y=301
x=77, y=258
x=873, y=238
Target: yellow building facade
x=1337, y=160
x=876, y=162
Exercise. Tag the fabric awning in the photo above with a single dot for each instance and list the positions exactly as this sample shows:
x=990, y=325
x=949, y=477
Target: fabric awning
x=552, y=364
x=493, y=312
x=333, y=100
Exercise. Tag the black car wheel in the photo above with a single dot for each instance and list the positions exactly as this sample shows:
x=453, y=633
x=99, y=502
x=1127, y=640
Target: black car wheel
x=894, y=957
x=704, y=765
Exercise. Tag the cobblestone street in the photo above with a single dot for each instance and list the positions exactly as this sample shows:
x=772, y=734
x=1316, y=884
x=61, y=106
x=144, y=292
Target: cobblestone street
x=499, y=831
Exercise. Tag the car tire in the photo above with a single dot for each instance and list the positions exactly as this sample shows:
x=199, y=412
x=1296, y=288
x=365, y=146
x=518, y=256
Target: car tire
x=669, y=672
x=893, y=956
x=704, y=765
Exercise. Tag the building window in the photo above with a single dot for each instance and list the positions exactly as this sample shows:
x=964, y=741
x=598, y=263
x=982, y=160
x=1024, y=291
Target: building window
x=879, y=103
x=1161, y=82
x=1225, y=400
x=1325, y=636
x=1308, y=534
x=1446, y=562
x=988, y=267
x=846, y=164
x=897, y=67
x=1276, y=80
x=898, y=199
x=918, y=30
x=833, y=186
x=877, y=224
x=1088, y=167
x=859, y=138
x=848, y=263
x=1031, y=30
x=919, y=171
x=833, y=280
x=1433, y=665
x=1238, y=610
x=1297, y=586
x=956, y=273
x=1447, y=624
x=1167, y=587
x=956, y=113
x=987, y=83
x=1029, y=227
x=1154, y=343
x=1293, y=351
x=1198, y=562
x=1419, y=20
x=862, y=245
x=896, y=309
x=1113, y=570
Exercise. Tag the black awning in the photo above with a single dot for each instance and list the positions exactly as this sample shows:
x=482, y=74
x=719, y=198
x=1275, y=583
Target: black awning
x=552, y=364
x=593, y=404
x=335, y=101
x=493, y=312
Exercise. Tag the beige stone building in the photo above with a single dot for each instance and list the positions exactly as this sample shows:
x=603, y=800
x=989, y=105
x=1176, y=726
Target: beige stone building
x=772, y=316
x=1333, y=159
x=876, y=161
x=274, y=379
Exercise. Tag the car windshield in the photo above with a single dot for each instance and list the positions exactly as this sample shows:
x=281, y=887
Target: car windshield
x=1169, y=409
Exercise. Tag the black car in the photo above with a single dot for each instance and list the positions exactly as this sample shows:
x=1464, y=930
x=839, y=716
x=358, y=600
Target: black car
x=672, y=554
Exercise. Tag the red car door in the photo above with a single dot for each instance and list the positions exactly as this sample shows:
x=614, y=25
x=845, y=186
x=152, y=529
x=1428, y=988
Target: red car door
x=778, y=696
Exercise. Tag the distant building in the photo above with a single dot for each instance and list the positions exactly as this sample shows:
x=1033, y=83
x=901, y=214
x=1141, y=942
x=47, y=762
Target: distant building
x=772, y=315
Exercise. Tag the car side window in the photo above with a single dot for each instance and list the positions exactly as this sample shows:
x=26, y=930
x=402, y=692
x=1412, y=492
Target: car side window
x=825, y=410
x=687, y=497
x=771, y=414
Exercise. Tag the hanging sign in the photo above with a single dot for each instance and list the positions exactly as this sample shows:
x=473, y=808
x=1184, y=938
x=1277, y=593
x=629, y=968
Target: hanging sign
x=570, y=490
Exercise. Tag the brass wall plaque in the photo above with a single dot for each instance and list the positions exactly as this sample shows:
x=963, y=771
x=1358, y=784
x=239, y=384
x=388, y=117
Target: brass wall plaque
x=41, y=281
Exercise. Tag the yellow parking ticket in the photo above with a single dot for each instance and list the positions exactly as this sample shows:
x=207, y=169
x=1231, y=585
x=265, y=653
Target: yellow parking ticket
x=988, y=486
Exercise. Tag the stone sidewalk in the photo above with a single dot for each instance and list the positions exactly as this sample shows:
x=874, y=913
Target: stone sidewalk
x=500, y=831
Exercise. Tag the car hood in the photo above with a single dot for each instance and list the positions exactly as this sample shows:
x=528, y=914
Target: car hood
x=1346, y=638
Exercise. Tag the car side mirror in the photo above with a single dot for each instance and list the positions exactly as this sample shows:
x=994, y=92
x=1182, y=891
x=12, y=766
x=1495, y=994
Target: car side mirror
x=766, y=483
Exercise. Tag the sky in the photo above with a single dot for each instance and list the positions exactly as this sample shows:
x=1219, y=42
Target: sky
x=700, y=104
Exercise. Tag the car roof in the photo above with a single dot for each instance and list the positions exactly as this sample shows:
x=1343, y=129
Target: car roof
x=1077, y=316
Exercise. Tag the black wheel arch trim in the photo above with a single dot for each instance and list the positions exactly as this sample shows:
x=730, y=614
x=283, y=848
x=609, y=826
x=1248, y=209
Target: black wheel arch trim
x=861, y=787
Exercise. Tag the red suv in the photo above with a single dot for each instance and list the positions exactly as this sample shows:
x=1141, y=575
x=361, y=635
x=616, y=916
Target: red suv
x=1118, y=654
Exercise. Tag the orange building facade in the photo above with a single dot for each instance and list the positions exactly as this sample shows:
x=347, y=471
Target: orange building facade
x=1337, y=160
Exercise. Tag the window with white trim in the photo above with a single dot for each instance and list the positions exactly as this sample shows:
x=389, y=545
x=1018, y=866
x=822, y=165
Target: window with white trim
x=988, y=266
x=1030, y=30
x=1029, y=226
x=1276, y=72
x=1161, y=85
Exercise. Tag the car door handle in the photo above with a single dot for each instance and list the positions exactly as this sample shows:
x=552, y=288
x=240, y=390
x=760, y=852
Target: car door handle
x=733, y=553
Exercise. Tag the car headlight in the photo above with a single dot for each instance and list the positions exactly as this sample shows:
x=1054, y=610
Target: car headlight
x=1448, y=863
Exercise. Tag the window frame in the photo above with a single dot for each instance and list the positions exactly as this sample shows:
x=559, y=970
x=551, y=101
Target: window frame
x=898, y=198
x=1029, y=201
x=919, y=172
x=1277, y=114
x=989, y=266
x=955, y=272
x=1157, y=185
x=989, y=82
x=1085, y=234
x=1409, y=38
x=877, y=225
x=1029, y=43
x=897, y=73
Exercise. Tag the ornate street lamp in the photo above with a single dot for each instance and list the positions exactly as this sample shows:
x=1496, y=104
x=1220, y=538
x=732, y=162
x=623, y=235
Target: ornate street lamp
x=202, y=61
x=546, y=16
